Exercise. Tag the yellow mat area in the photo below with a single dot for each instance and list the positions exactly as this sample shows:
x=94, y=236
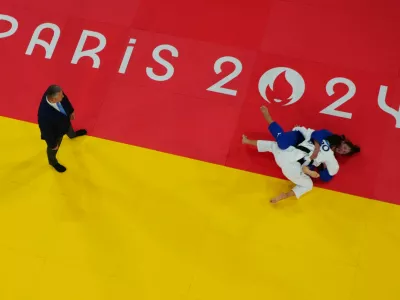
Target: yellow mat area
x=130, y=223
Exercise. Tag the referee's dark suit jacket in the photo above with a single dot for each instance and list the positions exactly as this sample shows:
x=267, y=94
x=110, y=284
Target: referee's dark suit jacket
x=54, y=124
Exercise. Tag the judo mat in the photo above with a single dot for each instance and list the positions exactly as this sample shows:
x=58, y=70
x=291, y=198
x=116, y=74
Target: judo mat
x=161, y=200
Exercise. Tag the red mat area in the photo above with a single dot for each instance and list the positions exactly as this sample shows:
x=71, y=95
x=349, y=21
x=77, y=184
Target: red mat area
x=320, y=40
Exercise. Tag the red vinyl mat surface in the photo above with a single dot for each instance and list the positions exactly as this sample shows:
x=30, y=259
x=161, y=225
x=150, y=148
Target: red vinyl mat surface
x=198, y=73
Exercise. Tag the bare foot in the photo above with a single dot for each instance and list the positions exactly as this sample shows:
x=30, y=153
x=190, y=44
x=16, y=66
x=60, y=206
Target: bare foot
x=278, y=198
x=245, y=140
x=265, y=112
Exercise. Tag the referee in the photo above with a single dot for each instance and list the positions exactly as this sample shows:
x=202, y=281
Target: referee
x=54, y=118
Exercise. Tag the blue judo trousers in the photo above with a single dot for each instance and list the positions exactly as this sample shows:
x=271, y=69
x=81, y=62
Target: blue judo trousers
x=285, y=139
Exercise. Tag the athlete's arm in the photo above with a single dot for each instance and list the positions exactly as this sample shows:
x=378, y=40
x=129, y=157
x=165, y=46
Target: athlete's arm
x=332, y=166
x=317, y=147
x=318, y=136
x=306, y=170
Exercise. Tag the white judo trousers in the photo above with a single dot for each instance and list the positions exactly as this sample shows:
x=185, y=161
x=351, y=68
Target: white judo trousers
x=287, y=160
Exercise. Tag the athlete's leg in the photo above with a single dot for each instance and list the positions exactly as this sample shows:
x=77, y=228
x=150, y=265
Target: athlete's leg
x=303, y=182
x=284, y=139
x=267, y=116
x=246, y=141
x=267, y=146
x=262, y=146
x=292, y=170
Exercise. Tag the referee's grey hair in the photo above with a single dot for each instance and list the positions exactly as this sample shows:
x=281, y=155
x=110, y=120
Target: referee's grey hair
x=53, y=90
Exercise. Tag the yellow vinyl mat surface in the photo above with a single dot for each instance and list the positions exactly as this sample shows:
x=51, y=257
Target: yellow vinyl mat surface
x=131, y=223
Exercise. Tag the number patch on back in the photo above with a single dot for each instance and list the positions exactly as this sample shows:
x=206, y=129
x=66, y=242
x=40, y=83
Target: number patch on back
x=325, y=146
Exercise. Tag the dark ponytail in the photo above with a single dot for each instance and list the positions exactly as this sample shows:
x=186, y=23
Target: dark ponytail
x=335, y=140
x=354, y=148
